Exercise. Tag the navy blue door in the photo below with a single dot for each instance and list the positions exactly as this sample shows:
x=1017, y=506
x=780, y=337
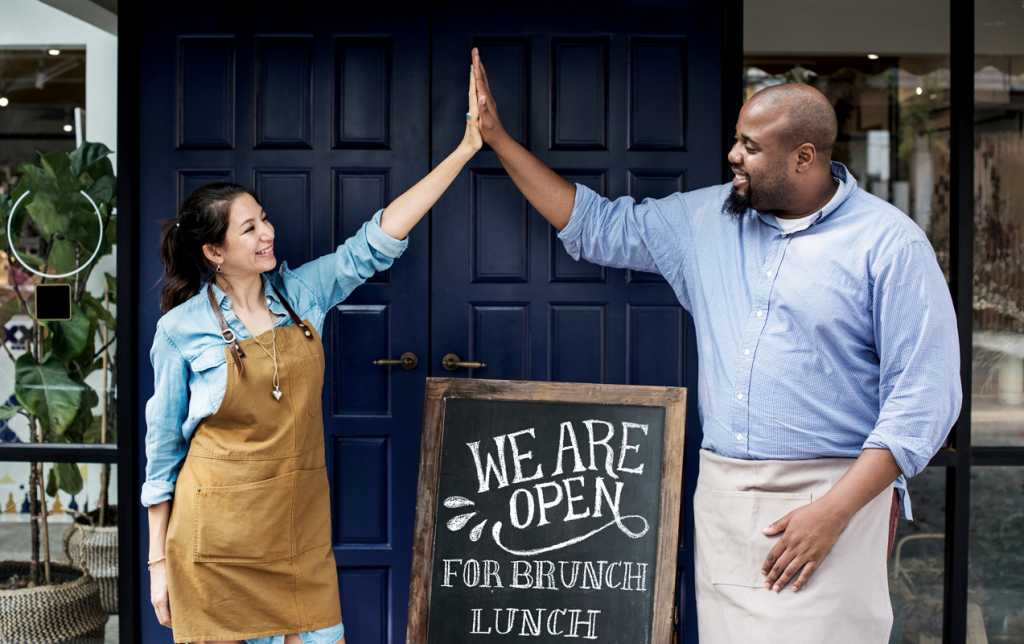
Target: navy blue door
x=621, y=96
x=332, y=110
x=325, y=112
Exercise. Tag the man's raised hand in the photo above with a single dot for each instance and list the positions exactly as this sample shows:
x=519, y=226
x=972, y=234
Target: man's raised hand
x=490, y=124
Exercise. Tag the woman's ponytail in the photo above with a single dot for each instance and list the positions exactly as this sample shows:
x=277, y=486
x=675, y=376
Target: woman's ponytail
x=203, y=219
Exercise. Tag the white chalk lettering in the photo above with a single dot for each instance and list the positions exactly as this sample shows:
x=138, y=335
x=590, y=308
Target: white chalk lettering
x=545, y=570
x=511, y=620
x=553, y=621
x=575, y=621
x=517, y=458
x=600, y=490
x=592, y=578
x=521, y=569
x=640, y=577
x=575, y=571
x=608, y=575
x=491, y=570
x=572, y=515
x=483, y=474
x=448, y=574
x=475, y=628
x=609, y=452
x=545, y=505
x=567, y=430
x=626, y=446
x=533, y=626
x=513, y=509
x=471, y=573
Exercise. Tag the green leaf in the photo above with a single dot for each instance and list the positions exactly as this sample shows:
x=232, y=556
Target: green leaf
x=51, y=483
x=47, y=391
x=30, y=260
x=57, y=166
x=111, y=287
x=92, y=433
x=68, y=478
x=84, y=228
x=9, y=412
x=62, y=256
x=104, y=188
x=87, y=154
x=93, y=306
x=72, y=338
x=9, y=309
x=46, y=214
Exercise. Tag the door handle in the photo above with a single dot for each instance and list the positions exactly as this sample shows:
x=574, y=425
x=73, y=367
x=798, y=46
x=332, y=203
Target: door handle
x=408, y=361
x=451, y=362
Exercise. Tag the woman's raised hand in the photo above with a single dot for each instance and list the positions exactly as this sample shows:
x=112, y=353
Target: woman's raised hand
x=472, y=139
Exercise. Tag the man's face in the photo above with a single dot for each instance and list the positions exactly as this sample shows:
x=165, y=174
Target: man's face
x=762, y=174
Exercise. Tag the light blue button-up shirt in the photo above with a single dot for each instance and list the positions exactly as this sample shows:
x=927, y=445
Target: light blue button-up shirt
x=189, y=365
x=836, y=336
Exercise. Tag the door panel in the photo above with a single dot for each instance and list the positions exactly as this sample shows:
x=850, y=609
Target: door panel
x=601, y=93
x=302, y=107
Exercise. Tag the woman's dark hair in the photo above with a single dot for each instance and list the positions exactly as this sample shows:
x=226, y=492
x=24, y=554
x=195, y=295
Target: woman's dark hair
x=203, y=219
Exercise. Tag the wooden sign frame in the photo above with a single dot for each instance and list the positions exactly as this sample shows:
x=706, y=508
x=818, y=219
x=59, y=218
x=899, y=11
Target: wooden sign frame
x=672, y=399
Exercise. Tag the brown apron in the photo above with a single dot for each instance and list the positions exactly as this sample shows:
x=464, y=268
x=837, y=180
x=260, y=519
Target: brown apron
x=249, y=541
x=846, y=601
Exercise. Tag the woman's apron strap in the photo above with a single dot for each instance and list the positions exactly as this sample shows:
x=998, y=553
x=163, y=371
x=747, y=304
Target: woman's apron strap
x=295, y=318
x=225, y=330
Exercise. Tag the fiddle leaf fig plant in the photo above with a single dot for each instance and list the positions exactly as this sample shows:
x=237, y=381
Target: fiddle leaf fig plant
x=50, y=376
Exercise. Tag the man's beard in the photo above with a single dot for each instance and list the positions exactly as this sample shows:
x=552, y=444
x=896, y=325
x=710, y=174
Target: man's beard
x=774, y=191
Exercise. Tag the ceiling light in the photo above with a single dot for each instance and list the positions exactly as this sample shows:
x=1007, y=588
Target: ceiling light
x=68, y=128
x=54, y=52
x=919, y=91
x=933, y=96
x=3, y=101
x=872, y=56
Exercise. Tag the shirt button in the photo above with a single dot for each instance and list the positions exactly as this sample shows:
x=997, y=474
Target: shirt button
x=746, y=352
x=739, y=437
x=769, y=273
x=783, y=234
x=759, y=313
x=739, y=396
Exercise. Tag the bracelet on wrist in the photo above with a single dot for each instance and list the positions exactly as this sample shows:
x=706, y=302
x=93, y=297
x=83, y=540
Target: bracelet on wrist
x=155, y=561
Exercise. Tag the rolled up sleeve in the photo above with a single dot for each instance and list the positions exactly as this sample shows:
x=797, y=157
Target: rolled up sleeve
x=166, y=411
x=919, y=358
x=369, y=251
x=609, y=233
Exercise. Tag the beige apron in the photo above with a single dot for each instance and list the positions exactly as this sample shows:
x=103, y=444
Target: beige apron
x=846, y=601
x=249, y=541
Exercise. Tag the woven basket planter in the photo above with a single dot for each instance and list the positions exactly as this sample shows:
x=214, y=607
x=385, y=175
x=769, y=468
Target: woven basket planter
x=95, y=549
x=68, y=613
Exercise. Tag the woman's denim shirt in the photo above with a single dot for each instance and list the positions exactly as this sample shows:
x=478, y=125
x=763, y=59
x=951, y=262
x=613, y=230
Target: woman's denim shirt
x=189, y=365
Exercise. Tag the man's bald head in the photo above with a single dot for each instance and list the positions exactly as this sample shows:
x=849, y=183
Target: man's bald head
x=808, y=117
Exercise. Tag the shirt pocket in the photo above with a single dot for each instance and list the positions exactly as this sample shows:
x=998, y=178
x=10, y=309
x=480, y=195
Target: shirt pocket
x=313, y=367
x=734, y=528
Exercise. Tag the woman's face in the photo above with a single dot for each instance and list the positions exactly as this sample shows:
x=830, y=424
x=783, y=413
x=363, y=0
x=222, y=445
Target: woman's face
x=248, y=247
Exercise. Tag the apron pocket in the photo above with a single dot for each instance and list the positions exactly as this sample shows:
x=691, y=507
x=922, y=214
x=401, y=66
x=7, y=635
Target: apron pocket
x=734, y=527
x=249, y=523
x=314, y=369
x=312, y=525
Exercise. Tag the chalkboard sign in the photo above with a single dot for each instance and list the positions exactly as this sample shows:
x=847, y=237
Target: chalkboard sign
x=547, y=510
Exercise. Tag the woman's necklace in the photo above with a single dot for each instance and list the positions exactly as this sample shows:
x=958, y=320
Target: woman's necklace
x=273, y=334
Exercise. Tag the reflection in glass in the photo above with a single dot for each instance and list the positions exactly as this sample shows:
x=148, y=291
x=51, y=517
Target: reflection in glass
x=893, y=115
x=997, y=411
x=71, y=527
x=996, y=574
x=917, y=564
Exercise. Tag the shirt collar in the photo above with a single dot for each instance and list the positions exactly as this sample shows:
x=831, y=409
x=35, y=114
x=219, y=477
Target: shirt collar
x=225, y=302
x=839, y=173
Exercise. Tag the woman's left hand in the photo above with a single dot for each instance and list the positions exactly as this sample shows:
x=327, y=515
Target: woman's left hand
x=472, y=139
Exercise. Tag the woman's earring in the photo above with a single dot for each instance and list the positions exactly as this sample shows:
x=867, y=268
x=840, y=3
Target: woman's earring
x=218, y=268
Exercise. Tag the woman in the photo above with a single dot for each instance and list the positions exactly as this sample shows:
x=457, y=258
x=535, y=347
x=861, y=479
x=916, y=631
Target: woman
x=235, y=434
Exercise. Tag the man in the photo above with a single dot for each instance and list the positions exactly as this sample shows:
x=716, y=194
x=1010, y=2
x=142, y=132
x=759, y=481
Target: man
x=829, y=365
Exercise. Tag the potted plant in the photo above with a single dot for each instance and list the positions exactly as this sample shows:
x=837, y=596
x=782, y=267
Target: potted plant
x=67, y=202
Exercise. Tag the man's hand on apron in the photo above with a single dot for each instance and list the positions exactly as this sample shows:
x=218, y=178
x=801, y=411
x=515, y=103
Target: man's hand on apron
x=809, y=532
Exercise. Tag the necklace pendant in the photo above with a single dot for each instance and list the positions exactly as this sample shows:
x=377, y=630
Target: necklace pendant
x=277, y=394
